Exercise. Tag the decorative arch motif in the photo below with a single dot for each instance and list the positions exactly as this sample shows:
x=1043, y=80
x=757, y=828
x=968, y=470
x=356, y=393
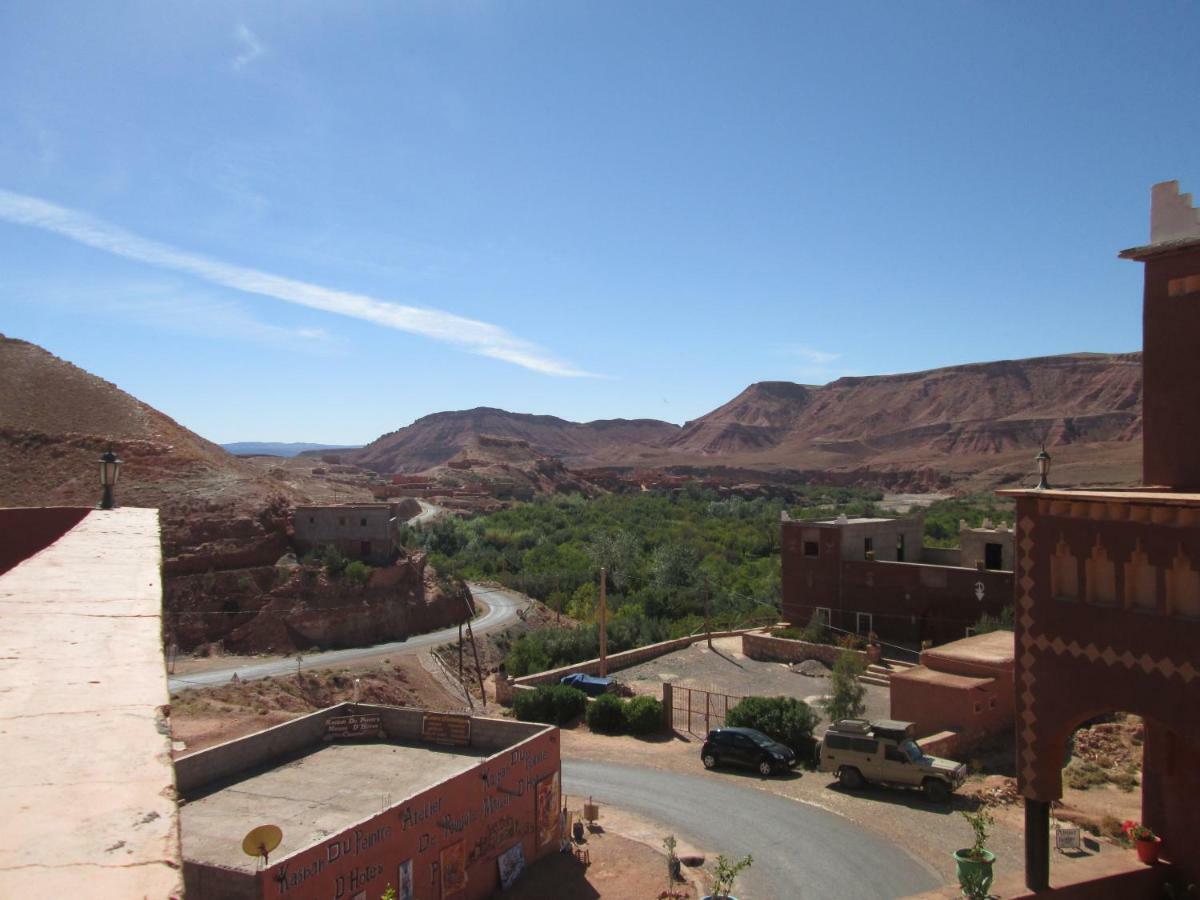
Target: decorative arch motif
x=1183, y=587
x=1064, y=572
x=1141, y=581
x=1101, y=577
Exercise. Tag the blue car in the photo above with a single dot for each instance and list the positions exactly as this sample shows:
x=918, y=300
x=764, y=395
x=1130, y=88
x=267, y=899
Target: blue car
x=591, y=685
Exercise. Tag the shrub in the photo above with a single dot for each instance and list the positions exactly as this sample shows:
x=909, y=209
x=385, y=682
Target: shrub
x=644, y=715
x=852, y=642
x=554, y=704
x=358, y=572
x=817, y=629
x=791, y=634
x=785, y=719
x=1002, y=622
x=335, y=561
x=846, y=693
x=606, y=715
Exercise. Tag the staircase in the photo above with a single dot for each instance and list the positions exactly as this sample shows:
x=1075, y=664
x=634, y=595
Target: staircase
x=880, y=673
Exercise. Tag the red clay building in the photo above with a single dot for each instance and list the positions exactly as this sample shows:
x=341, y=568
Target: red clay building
x=876, y=575
x=366, y=796
x=1108, y=582
x=964, y=687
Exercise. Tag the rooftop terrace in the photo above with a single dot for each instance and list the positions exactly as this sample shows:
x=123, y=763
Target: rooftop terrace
x=321, y=793
x=87, y=799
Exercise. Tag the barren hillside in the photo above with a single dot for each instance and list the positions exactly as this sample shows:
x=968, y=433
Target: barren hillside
x=971, y=426
x=225, y=521
x=435, y=439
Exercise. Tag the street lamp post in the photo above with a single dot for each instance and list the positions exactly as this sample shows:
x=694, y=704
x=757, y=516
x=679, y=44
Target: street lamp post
x=1043, y=463
x=110, y=468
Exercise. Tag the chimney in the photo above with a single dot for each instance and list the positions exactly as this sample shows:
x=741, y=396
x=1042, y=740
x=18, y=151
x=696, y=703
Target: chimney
x=1171, y=341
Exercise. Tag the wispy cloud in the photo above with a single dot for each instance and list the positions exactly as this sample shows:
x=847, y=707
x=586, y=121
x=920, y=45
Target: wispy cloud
x=811, y=365
x=815, y=357
x=472, y=335
x=250, y=47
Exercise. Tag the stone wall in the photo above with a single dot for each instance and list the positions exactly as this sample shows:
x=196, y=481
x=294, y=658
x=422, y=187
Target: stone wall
x=616, y=661
x=764, y=647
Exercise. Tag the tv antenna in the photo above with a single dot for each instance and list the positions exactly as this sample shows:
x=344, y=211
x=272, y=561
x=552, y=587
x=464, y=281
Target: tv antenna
x=260, y=841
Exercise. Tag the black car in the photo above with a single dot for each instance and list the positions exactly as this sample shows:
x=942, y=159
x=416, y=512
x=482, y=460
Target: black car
x=746, y=747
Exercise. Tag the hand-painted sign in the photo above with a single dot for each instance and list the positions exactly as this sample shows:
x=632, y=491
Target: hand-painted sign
x=446, y=728
x=361, y=726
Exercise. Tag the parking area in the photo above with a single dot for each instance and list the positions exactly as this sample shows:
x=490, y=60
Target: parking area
x=726, y=670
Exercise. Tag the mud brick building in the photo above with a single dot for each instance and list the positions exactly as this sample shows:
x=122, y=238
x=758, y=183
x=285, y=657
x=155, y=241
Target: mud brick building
x=1108, y=582
x=360, y=531
x=435, y=805
x=876, y=575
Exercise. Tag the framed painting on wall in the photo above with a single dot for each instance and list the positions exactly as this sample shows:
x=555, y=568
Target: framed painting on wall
x=548, y=818
x=404, y=881
x=454, y=869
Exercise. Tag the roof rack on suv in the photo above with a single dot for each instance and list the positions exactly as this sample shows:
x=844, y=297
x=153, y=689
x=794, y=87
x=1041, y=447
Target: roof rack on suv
x=853, y=726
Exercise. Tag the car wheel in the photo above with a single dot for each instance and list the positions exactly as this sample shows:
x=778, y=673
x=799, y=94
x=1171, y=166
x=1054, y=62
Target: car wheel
x=936, y=791
x=709, y=760
x=850, y=777
x=765, y=767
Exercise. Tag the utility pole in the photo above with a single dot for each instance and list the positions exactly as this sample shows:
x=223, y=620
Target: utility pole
x=603, y=622
x=707, y=620
x=474, y=648
x=460, y=653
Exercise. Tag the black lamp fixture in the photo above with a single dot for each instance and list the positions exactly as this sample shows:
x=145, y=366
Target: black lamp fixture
x=110, y=468
x=1043, y=464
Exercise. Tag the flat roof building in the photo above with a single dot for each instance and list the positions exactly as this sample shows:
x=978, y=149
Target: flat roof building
x=434, y=804
x=868, y=575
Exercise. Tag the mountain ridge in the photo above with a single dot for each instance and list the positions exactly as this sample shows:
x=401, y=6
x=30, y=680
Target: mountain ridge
x=967, y=418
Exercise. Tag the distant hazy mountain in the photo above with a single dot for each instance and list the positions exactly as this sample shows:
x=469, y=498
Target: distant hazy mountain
x=277, y=448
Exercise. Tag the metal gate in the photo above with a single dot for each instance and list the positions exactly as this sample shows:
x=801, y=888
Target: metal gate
x=698, y=711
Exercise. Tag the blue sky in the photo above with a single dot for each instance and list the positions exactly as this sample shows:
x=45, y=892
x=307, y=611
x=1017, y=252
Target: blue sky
x=319, y=221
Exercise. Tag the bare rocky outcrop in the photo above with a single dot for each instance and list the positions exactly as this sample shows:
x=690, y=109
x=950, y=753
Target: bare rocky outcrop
x=299, y=607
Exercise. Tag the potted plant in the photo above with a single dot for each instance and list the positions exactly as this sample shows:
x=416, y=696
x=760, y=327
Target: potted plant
x=726, y=871
x=973, y=864
x=669, y=844
x=1146, y=841
x=874, y=648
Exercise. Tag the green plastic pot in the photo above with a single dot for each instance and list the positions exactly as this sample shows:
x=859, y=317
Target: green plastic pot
x=972, y=869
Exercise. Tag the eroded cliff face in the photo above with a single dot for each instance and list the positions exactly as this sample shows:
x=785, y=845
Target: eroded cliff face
x=288, y=607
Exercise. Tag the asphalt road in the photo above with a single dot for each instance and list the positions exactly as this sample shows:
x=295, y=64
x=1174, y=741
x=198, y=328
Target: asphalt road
x=799, y=851
x=502, y=609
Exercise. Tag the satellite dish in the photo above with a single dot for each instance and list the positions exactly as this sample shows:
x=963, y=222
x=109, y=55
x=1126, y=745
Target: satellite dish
x=261, y=841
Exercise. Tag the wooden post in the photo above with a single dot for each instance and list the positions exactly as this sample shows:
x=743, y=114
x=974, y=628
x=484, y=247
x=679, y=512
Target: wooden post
x=460, y=653
x=603, y=622
x=707, y=620
x=475, y=650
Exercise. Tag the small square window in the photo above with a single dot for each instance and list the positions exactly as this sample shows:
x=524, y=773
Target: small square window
x=812, y=548
x=363, y=523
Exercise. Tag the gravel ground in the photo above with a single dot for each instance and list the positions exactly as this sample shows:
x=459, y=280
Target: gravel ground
x=726, y=670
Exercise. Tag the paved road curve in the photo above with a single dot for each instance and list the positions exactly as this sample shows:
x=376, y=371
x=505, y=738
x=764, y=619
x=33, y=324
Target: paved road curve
x=502, y=610
x=800, y=852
